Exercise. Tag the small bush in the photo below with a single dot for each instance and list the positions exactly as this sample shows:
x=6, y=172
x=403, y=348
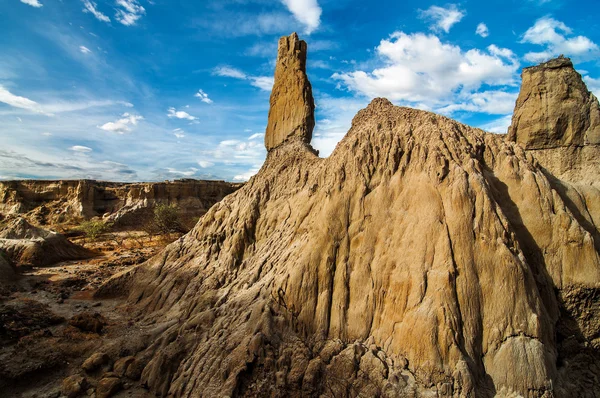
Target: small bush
x=166, y=218
x=93, y=229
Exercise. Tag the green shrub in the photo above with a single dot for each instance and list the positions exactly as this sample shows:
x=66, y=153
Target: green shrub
x=93, y=228
x=166, y=218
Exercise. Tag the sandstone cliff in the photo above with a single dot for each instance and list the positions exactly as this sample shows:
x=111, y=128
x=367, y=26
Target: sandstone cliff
x=292, y=107
x=422, y=257
x=52, y=202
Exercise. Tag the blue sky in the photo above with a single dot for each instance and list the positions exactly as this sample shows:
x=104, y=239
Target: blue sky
x=134, y=90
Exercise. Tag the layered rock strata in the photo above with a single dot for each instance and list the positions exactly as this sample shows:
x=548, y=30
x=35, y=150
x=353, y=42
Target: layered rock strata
x=51, y=202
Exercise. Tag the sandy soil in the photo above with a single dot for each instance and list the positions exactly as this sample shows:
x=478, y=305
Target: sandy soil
x=41, y=341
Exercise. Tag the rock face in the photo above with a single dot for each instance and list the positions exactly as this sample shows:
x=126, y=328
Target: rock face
x=554, y=108
x=422, y=257
x=291, y=115
x=26, y=245
x=51, y=202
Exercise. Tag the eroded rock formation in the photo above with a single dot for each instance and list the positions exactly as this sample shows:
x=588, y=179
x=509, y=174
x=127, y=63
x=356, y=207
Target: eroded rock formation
x=26, y=245
x=554, y=108
x=422, y=257
x=52, y=202
x=292, y=106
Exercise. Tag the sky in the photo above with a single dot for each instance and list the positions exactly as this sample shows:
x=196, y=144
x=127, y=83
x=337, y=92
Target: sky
x=149, y=90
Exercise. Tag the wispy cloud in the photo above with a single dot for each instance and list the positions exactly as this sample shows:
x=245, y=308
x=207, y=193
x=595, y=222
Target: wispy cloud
x=554, y=35
x=173, y=113
x=122, y=125
x=81, y=149
x=179, y=133
x=129, y=12
x=19, y=165
x=19, y=102
x=263, y=82
x=33, y=3
x=84, y=50
x=186, y=173
x=307, y=12
x=442, y=19
x=228, y=71
x=92, y=8
x=203, y=97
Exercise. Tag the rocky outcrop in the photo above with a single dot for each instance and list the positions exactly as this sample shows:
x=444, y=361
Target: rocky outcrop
x=554, y=108
x=291, y=115
x=53, y=202
x=422, y=258
x=26, y=245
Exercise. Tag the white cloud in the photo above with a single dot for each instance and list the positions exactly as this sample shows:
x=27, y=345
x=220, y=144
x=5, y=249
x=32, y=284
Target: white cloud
x=81, y=149
x=419, y=68
x=205, y=164
x=499, y=125
x=490, y=102
x=263, y=82
x=256, y=136
x=592, y=84
x=47, y=134
x=307, y=12
x=173, y=113
x=122, y=125
x=33, y=3
x=203, y=96
x=179, y=133
x=186, y=173
x=20, y=102
x=482, y=30
x=130, y=12
x=84, y=49
x=91, y=7
x=247, y=175
x=228, y=71
x=442, y=18
x=553, y=34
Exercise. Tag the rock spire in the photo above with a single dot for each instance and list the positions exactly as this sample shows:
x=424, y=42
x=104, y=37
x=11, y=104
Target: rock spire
x=291, y=114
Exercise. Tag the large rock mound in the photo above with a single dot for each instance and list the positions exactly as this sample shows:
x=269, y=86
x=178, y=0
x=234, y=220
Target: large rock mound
x=292, y=106
x=26, y=245
x=422, y=257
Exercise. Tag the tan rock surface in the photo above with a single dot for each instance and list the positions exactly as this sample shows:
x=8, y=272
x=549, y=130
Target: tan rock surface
x=554, y=108
x=438, y=244
x=26, y=245
x=291, y=115
x=52, y=202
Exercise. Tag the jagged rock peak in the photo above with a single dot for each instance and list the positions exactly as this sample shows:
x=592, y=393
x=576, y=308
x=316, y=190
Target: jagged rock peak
x=554, y=108
x=292, y=111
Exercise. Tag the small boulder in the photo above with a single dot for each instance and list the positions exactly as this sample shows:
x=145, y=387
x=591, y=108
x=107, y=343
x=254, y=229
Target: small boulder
x=95, y=361
x=73, y=386
x=135, y=369
x=108, y=386
x=122, y=364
